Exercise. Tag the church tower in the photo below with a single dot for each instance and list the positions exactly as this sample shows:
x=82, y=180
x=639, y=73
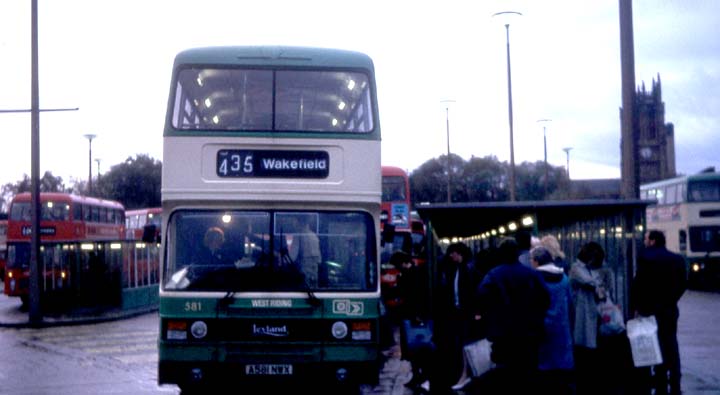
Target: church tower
x=655, y=155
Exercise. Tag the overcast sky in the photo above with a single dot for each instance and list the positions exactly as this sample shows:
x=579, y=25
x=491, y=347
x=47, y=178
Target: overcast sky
x=112, y=60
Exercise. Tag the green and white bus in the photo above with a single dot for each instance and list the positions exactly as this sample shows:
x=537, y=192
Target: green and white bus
x=688, y=212
x=271, y=191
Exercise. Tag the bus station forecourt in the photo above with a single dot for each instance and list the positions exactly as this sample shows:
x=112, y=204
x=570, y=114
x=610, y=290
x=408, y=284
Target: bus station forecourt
x=617, y=225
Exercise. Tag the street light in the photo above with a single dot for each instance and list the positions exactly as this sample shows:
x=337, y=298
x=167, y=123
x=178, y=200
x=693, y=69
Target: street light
x=567, y=153
x=90, y=138
x=447, y=129
x=544, y=121
x=510, y=113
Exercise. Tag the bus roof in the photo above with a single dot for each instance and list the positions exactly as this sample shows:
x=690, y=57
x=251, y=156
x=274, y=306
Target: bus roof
x=70, y=198
x=275, y=55
x=148, y=210
x=393, y=171
x=682, y=179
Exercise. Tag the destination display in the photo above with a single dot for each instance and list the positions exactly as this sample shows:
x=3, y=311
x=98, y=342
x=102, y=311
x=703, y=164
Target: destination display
x=272, y=163
x=44, y=230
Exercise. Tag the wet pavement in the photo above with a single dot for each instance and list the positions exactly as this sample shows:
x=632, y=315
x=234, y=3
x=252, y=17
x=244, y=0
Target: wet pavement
x=698, y=337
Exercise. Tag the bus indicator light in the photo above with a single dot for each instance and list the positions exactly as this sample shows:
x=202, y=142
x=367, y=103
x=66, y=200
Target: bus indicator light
x=176, y=330
x=361, y=330
x=361, y=335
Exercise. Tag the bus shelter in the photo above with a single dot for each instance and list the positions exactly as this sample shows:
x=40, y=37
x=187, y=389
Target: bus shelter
x=617, y=225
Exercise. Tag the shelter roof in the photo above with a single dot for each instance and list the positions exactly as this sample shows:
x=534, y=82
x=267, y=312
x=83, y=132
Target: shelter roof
x=470, y=219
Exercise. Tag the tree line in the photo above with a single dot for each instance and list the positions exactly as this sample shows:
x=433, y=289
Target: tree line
x=136, y=182
x=486, y=179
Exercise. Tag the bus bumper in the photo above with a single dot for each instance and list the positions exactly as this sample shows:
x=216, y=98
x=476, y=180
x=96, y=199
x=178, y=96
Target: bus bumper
x=191, y=374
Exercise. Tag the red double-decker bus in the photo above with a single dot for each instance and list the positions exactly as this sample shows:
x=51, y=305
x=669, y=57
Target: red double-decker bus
x=403, y=234
x=395, y=198
x=77, y=237
x=137, y=220
x=3, y=245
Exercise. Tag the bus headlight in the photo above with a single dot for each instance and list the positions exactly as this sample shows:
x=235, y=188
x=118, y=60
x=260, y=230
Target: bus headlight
x=339, y=330
x=695, y=267
x=198, y=329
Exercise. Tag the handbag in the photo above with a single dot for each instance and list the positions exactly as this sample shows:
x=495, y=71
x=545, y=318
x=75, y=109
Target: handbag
x=477, y=355
x=611, y=318
x=416, y=337
x=642, y=333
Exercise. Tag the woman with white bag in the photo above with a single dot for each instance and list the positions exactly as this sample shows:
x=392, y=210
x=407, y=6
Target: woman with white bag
x=590, y=283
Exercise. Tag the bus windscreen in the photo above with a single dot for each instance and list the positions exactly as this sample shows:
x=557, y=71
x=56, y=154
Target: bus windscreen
x=269, y=251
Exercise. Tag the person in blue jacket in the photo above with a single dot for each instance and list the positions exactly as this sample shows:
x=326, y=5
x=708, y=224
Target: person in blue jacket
x=556, y=348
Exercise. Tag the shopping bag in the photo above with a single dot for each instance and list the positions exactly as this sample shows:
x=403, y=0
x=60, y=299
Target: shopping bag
x=611, y=318
x=477, y=355
x=642, y=333
x=416, y=337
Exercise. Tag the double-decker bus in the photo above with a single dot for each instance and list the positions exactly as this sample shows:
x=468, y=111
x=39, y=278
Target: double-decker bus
x=76, y=233
x=688, y=212
x=271, y=193
x=395, y=198
x=406, y=234
x=138, y=220
x=3, y=245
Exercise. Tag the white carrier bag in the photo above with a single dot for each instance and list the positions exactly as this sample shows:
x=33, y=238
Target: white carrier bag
x=642, y=333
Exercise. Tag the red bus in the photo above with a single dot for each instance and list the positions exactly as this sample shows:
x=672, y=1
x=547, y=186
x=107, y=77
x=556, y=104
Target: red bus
x=136, y=220
x=76, y=238
x=395, y=198
x=3, y=245
x=395, y=211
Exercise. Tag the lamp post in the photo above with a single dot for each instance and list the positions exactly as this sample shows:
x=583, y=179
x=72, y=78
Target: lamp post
x=544, y=121
x=90, y=138
x=34, y=310
x=567, y=153
x=510, y=112
x=447, y=130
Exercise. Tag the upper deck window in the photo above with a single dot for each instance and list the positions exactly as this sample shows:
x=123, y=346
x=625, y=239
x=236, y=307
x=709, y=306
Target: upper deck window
x=393, y=189
x=50, y=211
x=225, y=99
x=704, y=191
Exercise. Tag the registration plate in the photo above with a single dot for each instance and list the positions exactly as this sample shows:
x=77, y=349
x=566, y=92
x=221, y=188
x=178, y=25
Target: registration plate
x=269, y=370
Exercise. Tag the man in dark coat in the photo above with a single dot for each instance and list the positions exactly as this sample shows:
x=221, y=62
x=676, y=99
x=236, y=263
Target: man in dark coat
x=660, y=281
x=453, y=312
x=512, y=300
